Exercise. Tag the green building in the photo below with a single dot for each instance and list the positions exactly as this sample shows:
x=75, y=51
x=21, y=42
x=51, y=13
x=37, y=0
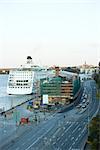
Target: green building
x=59, y=90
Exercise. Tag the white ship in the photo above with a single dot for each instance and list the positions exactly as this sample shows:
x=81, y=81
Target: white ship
x=24, y=79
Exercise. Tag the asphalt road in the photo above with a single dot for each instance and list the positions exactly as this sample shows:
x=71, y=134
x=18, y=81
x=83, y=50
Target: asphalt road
x=64, y=131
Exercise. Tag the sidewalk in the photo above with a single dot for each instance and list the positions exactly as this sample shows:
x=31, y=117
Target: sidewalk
x=9, y=129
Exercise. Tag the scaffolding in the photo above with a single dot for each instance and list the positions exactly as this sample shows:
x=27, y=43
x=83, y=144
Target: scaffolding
x=58, y=88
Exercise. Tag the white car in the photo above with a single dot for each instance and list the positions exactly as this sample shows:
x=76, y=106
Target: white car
x=83, y=106
x=87, y=103
x=79, y=105
x=85, y=96
x=84, y=100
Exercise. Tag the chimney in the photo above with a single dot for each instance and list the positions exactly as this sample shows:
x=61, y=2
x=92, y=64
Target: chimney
x=29, y=59
x=57, y=71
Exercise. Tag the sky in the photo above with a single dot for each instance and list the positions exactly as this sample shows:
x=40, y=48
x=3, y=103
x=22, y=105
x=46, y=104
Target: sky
x=52, y=32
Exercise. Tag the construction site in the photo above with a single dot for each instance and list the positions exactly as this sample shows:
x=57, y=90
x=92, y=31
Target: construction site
x=59, y=89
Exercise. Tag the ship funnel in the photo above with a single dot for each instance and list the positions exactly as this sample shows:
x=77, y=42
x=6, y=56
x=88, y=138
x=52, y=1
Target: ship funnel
x=29, y=60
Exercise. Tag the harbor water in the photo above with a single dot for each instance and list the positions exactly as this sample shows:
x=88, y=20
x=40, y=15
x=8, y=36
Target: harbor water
x=9, y=101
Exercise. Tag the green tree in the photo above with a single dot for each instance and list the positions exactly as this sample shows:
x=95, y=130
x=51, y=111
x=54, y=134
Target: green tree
x=94, y=133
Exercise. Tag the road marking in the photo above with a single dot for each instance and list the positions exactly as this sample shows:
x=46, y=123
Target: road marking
x=70, y=148
x=84, y=123
x=54, y=143
x=72, y=138
x=62, y=134
x=73, y=143
x=58, y=139
x=83, y=130
x=69, y=127
x=79, y=129
x=75, y=129
x=62, y=144
x=56, y=131
x=79, y=135
x=77, y=123
x=38, y=139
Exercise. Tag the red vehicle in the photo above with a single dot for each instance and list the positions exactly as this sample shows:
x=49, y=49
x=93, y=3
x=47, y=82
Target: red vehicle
x=24, y=120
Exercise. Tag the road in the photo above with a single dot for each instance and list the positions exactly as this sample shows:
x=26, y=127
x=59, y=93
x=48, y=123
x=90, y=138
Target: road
x=64, y=131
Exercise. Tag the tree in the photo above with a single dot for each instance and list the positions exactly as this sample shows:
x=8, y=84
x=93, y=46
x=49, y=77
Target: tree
x=94, y=134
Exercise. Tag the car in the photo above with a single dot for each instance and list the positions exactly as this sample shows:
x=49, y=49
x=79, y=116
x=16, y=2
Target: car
x=85, y=96
x=83, y=106
x=84, y=100
x=79, y=105
x=87, y=103
x=88, y=100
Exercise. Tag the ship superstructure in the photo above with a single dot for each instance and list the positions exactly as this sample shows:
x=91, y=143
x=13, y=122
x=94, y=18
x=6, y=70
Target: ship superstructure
x=23, y=79
x=20, y=82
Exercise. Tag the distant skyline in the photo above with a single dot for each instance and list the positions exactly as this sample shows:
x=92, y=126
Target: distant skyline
x=52, y=32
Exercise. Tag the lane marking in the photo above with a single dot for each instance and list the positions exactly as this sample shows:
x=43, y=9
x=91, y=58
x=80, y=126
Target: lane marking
x=54, y=143
x=62, y=144
x=73, y=143
x=69, y=127
x=56, y=131
x=75, y=129
x=79, y=129
x=62, y=134
x=70, y=148
x=38, y=139
x=58, y=139
x=72, y=138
